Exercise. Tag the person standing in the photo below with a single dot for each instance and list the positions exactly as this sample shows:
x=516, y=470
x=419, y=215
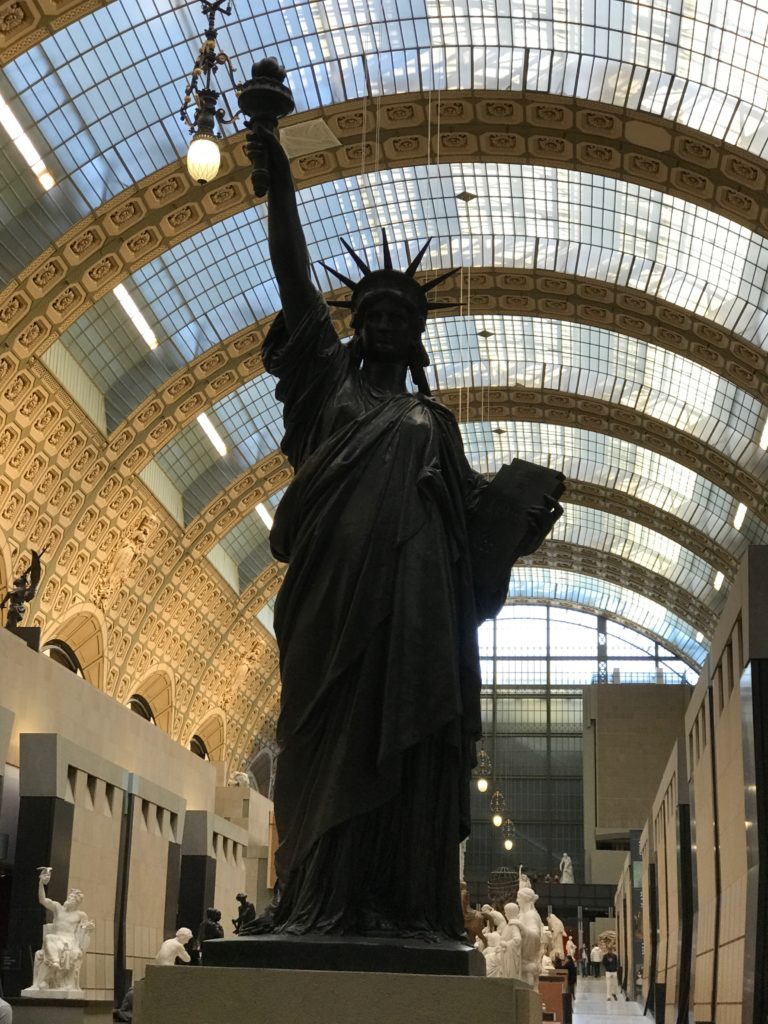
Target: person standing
x=584, y=962
x=570, y=966
x=611, y=965
x=596, y=958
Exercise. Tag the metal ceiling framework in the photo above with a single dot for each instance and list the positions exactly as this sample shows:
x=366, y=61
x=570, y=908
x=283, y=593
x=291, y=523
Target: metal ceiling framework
x=618, y=216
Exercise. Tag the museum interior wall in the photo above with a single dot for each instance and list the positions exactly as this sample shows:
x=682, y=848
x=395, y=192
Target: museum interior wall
x=703, y=847
x=149, y=831
x=628, y=733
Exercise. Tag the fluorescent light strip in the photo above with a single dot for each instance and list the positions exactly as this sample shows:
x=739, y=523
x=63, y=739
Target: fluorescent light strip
x=213, y=434
x=24, y=145
x=135, y=315
x=699, y=637
x=764, y=436
x=264, y=516
x=718, y=581
x=738, y=519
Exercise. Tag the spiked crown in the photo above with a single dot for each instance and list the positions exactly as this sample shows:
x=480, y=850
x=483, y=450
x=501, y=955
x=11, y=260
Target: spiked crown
x=388, y=281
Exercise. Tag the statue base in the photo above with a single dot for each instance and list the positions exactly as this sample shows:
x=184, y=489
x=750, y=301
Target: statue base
x=239, y=996
x=29, y=634
x=52, y=1009
x=344, y=953
x=53, y=993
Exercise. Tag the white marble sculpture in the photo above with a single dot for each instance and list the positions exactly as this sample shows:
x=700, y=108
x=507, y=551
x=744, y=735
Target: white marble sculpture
x=523, y=881
x=493, y=953
x=546, y=964
x=172, y=948
x=57, y=966
x=240, y=779
x=566, y=870
x=546, y=940
x=530, y=930
x=570, y=947
x=512, y=939
x=557, y=944
x=495, y=918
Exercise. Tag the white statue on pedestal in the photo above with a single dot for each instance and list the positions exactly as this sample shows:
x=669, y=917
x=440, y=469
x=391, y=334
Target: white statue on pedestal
x=511, y=937
x=172, y=948
x=570, y=947
x=530, y=930
x=493, y=953
x=566, y=870
x=495, y=918
x=56, y=969
x=546, y=964
x=557, y=928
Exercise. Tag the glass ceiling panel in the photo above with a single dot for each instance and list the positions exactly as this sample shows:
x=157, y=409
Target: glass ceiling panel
x=104, y=91
x=247, y=543
x=613, y=463
x=250, y=423
x=594, y=528
x=586, y=360
x=219, y=281
x=529, y=582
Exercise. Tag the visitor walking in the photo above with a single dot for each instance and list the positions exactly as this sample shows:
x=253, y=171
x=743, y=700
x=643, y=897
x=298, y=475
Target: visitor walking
x=596, y=958
x=611, y=965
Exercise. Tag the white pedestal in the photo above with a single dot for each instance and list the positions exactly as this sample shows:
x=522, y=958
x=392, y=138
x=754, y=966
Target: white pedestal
x=237, y=995
x=53, y=993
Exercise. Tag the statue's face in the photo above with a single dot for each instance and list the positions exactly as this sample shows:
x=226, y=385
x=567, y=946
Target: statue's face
x=73, y=900
x=388, y=330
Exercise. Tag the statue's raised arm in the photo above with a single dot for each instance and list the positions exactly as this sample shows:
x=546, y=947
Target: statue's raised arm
x=287, y=245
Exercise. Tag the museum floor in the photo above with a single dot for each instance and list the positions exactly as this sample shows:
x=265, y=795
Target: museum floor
x=590, y=1006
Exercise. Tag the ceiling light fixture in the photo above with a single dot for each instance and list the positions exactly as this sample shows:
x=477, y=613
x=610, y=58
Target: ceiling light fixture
x=719, y=578
x=264, y=516
x=699, y=637
x=483, y=769
x=738, y=519
x=204, y=156
x=497, y=808
x=136, y=316
x=213, y=435
x=23, y=143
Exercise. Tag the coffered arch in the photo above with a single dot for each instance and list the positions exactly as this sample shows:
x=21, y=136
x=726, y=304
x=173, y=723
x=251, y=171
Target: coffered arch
x=164, y=209
x=83, y=628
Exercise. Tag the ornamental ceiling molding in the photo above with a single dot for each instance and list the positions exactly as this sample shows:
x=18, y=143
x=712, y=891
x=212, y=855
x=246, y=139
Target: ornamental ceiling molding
x=497, y=403
x=604, y=565
x=166, y=208
x=112, y=543
x=273, y=472
x=595, y=609
x=235, y=361
x=25, y=23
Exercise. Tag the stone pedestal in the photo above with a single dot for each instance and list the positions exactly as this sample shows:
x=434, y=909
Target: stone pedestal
x=345, y=953
x=185, y=995
x=61, y=1011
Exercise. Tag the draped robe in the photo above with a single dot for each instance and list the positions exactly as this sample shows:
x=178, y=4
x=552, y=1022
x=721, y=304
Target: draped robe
x=376, y=627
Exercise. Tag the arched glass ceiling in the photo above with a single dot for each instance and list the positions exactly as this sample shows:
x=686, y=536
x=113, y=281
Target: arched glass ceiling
x=580, y=359
x=247, y=543
x=104, y=90
x=219, y=281
x=531, y=583
x=615, y=464
x=594, y=528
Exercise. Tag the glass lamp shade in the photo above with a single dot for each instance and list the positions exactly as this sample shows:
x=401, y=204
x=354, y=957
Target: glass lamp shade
x=203, y=158
x=497, y=819
x=482, y=784
x=508, y=844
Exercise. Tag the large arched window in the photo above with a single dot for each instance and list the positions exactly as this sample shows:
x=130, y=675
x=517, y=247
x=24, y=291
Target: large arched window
x=198, y=747
x=62, y=654
x=141, y=706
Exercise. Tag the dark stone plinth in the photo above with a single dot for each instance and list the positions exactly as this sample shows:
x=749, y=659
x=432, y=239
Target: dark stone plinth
x=29, y=634
x=344, y=953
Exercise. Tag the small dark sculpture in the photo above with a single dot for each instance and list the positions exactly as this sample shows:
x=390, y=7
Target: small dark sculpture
x=396, y=550
x=24, y=589
x=209, y=926
x=246, y=915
